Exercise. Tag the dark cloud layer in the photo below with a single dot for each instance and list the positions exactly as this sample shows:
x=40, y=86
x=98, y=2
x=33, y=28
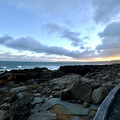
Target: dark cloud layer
x=31, y=44
x=105, y=10
x=4, y=39
x=110, y=39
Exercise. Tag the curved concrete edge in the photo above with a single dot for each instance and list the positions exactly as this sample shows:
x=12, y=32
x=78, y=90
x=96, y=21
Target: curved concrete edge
x=103, y=109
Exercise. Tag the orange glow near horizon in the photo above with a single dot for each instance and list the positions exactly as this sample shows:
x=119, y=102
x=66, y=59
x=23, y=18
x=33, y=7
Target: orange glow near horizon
x=99, y=59
x=107, y=59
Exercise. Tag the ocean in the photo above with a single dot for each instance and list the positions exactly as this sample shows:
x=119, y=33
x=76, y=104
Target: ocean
x=10, y=65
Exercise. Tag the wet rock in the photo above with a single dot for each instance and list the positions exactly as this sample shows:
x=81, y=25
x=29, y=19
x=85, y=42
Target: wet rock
x=99, y=95
x=18, y=89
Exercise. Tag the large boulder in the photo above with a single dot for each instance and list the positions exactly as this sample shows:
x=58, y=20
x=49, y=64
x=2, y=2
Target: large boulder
x=99, y=94
x=79, y=90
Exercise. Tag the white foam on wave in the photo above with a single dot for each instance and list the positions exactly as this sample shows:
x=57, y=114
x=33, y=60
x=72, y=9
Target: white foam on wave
x=4, y=67
x=19, y=66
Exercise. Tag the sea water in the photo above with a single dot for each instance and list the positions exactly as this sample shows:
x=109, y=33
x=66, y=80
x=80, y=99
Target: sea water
x=10, y=65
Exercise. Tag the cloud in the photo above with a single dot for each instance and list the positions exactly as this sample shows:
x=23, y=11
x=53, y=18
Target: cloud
x=64, y=32
x=31, y=44
x=5, y=39
x=105, y=10
x=110, y=40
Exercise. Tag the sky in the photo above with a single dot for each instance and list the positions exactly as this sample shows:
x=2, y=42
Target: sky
x=59, y=30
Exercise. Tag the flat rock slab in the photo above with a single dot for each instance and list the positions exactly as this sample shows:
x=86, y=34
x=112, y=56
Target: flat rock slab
x=38, y=100
x=18, y=89
x=38, y=108
x=44, y=115
x=74, y=109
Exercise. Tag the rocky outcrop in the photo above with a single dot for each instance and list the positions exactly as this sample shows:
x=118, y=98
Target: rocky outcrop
x=19, y=107
x=99, y=94
x=18, y=89
x=35, y=93
x=41, y=74
x=78, y=90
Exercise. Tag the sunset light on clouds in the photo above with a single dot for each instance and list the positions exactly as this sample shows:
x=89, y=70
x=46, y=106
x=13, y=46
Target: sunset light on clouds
x=60, y=30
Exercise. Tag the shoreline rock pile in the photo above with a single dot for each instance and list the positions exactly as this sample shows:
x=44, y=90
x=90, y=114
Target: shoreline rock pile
x=69, y=93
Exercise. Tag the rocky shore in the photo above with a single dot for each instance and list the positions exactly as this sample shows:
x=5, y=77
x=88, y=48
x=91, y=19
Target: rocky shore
x=69, y=93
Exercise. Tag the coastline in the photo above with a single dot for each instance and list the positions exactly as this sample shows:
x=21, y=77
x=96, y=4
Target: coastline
x=63, y=86
x=17, y=65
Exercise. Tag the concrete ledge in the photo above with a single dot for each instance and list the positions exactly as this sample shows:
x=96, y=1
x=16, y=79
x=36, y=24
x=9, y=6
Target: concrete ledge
x=104, y=107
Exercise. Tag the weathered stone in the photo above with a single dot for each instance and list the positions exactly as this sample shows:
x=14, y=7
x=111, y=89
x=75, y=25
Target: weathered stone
x=91, y=115
x=81, y=91
x=21, y=108
x=66, y=95
x=20, y=95
x=95, y=85
x=106, y=77
x=117, y=80
x=39, y=90
x=2, y=114
x=94, y=107
x=5, y=106
x=76, y=118
x=86, y=104
x=38, y=100
x=59, y=109
x=18, y=89
x=65, y=80
x=99, y=94
x=57, y=94
x=118, y=74
x=36, y=94
x=44, y=115
x=13, y=98
x=74, y=109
